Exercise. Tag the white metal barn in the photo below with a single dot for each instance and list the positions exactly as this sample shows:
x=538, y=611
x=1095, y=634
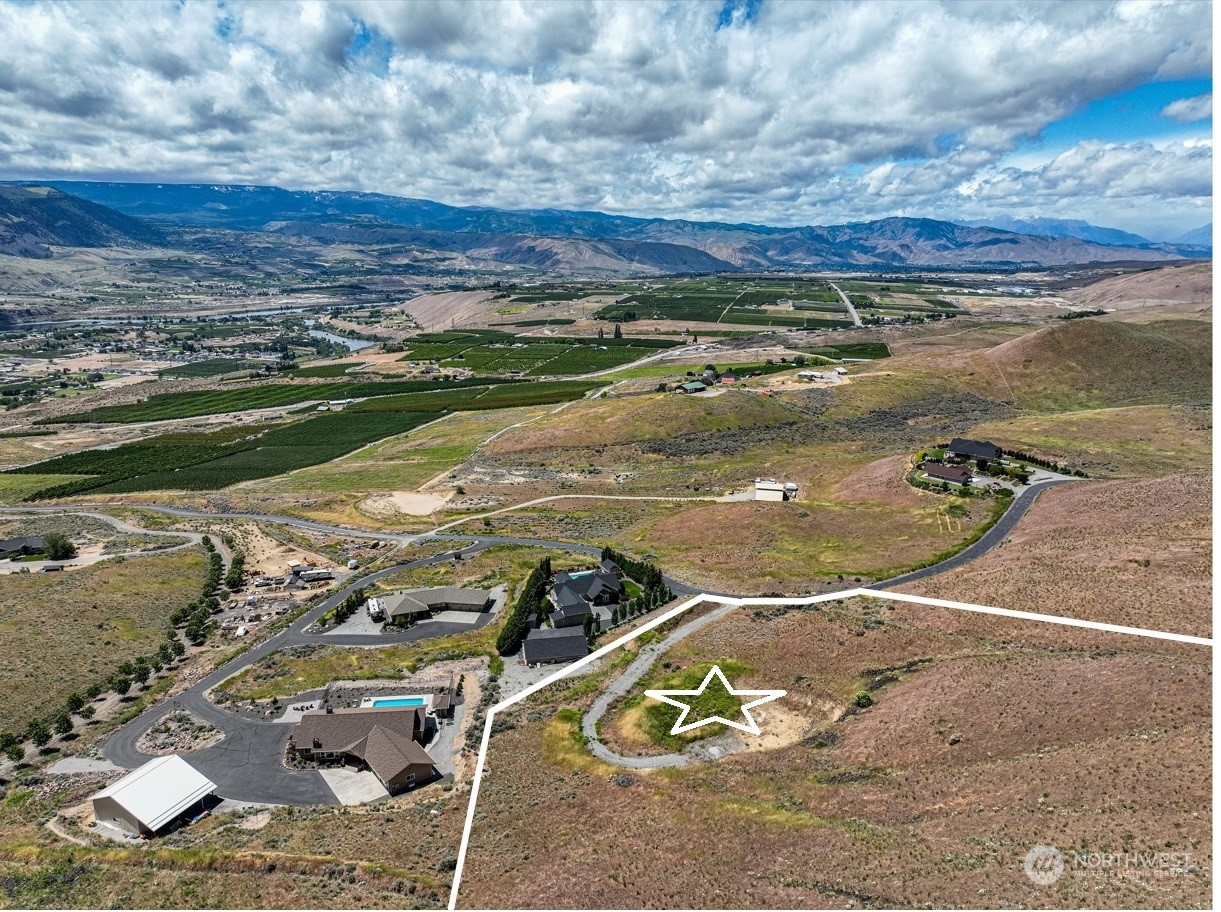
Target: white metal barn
x=153, y=796
x=769, y=490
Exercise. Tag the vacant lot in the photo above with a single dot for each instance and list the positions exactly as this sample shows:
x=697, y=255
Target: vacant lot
x=932, y=795
x=62, y=632
x=1126, y=552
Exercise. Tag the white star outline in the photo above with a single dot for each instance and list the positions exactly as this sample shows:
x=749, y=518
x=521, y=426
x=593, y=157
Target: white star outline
x=765, y=696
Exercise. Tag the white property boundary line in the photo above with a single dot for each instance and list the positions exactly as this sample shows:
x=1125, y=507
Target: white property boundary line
x=742, y=602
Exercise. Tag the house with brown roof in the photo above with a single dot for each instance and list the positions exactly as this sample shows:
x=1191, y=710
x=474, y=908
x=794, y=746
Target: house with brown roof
x=385, y=740
x=422, y=603
x=958, y=474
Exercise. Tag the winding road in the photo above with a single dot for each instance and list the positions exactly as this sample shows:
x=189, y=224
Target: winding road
x=239, y=763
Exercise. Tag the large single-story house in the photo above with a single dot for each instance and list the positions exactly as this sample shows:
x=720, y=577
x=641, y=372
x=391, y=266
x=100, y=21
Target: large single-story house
x=153, y=797
x=962, y=448
x=546, y=646
x=28, y=544
x=386, y=740
x=415, y=603
x=600, y=586
x=955, y=473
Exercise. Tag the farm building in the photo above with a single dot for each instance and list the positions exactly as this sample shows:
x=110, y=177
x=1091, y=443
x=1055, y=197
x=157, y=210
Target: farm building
x=385, y=740
x=770, y=489
x=153, y=797
x=547, y=646
x=415, y=603
x=955, y=473
x=29, y=544
x=694, y=386
x=973, y=449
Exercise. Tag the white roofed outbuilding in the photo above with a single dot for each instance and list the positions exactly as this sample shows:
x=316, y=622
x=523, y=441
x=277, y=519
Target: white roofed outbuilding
x=152, y=796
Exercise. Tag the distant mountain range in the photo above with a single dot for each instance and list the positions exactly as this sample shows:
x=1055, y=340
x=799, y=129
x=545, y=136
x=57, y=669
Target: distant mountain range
x=1050, y=227
x=34, y=219
x=584, y=242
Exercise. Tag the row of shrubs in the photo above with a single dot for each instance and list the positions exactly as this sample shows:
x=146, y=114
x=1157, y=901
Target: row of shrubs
x=531, y=600
x=1043, y=463
x=345, y=609
x=40, y=730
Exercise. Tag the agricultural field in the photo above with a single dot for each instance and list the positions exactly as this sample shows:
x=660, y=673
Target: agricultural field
x=493, y=353
x=222, y=458
x=904, y=768
x=119, y=609
x=213, y=368
x=192, y=404
x=786, y=303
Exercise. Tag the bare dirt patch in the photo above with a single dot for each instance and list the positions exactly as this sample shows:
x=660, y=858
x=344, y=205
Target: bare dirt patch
x=452, y=308
x=412, y=503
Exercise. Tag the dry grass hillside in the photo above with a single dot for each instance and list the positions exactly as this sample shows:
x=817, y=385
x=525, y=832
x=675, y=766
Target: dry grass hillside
x=1144, y=441
x=607, y=422
x=1167, y=285
x=1137, y=553
x=982, y=740
x=1093, y=363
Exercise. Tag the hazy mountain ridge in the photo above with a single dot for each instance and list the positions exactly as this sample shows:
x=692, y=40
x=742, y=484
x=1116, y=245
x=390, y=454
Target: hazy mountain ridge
x=35, y=219
x=564, y=240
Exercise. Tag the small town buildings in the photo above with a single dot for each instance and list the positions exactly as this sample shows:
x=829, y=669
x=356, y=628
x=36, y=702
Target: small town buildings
x=420, y=603
x=961, y=448
x=958, y=474
x=385, y=740
x=548, y=646
x=20, y=547
x=153, y=797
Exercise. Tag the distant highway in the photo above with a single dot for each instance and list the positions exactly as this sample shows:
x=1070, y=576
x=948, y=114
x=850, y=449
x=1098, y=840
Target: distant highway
x=856, y=318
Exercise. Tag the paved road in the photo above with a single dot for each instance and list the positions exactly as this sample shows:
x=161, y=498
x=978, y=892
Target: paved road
x=856, y=318
x=989, y=540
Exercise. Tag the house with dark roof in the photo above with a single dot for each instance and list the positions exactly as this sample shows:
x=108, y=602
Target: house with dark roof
x=385, y=740
x=548, y=646
x=962, y=448
x=19, y=547
x=956, y=473
x=575, y=594
x=570, y=609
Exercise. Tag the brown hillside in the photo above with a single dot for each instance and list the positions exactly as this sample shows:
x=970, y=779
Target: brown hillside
x=1170, y=284
x=1094, y=364
x=1153, y=570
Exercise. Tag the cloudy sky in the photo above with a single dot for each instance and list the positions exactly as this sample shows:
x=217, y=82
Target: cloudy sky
x=774, y=112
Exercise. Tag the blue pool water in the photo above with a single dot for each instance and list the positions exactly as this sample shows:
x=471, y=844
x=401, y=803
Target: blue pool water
x=399, y=701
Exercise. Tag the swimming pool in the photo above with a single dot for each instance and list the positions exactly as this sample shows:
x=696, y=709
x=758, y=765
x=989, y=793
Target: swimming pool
x=397, y=701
